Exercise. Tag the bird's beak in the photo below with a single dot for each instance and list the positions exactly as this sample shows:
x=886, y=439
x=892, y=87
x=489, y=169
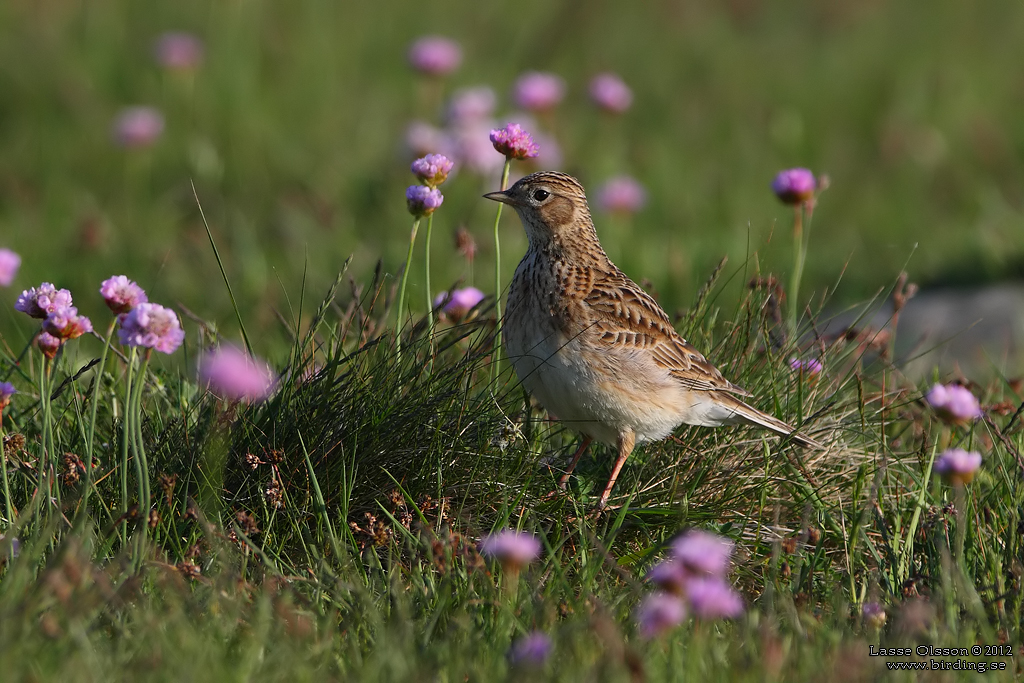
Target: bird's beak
x=502, y=197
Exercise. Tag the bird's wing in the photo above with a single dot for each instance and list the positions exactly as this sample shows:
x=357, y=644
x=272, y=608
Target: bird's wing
x=623, y=314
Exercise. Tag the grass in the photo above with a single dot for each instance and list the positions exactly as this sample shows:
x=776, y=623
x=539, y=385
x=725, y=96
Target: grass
x=331, y=532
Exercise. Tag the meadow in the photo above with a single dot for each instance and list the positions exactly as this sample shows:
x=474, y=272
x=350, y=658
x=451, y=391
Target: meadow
x=336, y=519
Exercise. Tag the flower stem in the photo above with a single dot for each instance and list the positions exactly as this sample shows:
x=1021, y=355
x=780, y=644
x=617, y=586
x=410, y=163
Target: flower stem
x=47, y=461
x=89, y=445
x=497, y=274
x=401, y=287
x=126, y=438
x=8, y=503
x=134, y=415
x=430, y=301
x=799, y=253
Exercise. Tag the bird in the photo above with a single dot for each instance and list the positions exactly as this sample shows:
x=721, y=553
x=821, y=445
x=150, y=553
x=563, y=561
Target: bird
x=593, y=347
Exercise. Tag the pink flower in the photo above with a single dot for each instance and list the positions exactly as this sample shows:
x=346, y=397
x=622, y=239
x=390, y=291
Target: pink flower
x=137, y=127
x=471, y=105
x=473, y=149
x=702, y=552
x=659, y=613
x=953, y=403
x=433, y=169
x=6, y=391
x=873, y=614
x=178, y=51
x=811, y=366
x=9, y=264
x=669, y=575
x=514, y=142
x=122, y=294
x=610, y=93
x=794, y=186
x=435, y=55
x=65, y=323
x=39, y=302
x=48, y=344
x=621, y=194
x=710, y=597
x=457, y=303
x=513, y=549
x=151, y=326
x=538, y=91
x=530, y=651
x=422, y=200
x=232, y=374
x=958, y=466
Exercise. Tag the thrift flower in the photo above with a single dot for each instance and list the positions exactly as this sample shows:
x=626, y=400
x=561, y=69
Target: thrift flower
x=513, y=549
x=433, y=169
x=811, y=366
x=514, y=142
x=137, y=127
x=457, y=303
x=65, y=323
x=610, y=93
x=122, y=294
x=178, y=51
x=702, y=552
x=39, y=302
x=953, y=403
x=435, y=55
x=710, y=597
x=537, y=91
x=794, y=186
x=48, y=344
x=151, y=326
x=659, y=613
x=669, y=575
x=6, y=391
x=530, y=651
x=873, y=614
x=958, y=466
x=234, y=375
x=621, y=194
x=422, y=200
x=9, y=264
x=471, y=105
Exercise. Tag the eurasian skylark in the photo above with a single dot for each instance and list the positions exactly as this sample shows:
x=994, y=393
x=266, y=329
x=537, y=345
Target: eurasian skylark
x=593, y=347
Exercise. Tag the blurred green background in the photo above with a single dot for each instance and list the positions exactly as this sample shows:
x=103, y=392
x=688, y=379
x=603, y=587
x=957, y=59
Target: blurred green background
x=292, y=130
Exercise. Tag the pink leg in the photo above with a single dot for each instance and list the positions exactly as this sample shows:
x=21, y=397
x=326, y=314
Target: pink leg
x=564, y=479
x=627, y=440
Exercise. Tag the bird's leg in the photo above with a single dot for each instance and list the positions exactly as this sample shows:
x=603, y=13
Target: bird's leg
x=564, y=479
x=627, y=440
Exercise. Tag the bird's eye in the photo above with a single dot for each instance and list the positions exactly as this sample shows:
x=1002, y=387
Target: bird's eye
x=541, y=195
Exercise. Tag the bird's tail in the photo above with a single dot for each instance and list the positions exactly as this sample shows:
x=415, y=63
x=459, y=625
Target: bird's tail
x=744, y=414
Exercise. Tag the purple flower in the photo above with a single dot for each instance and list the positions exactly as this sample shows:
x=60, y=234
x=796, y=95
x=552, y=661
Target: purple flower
x=457, y=303
x=957, y=465
x=610, y=93
x=702, y=552
x=9, y=264
x=48, y=344
x=422, y=200
x=471, y=105
x=530, y=651
x=669, y=575
x=122, y=294
x=178, y=51
x=538, y=91
x=234, y=375
x=435, y=55
x=873, y=614
x=710, y=597
x=953, y=403
x=811, y=366
x=40, y=301
x=137, y=127
x=794, y=186
x=6, y=391
x=151, y=326
x=514, y=142
x=65, y=323
x=513, y=549
x=659, y=613
x=433, y=169
x=621, y=194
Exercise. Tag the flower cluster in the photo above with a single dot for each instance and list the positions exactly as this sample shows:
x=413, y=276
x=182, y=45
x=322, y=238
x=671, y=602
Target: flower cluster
x=151, y=326
x=121, y=294
x=61, y=321
x=514, y=142
x=958, y=466
x=9, y=264
x=6, y=391
x=456, y=304
x=178, y=51
x=810, y=366
x=234, y=375
x=953, y=403
x=530, y=651
x=621, y=194
x=610, y=93
x=691, y=580
x=512, y=549
x=794, y=186
x=422, y=200
x=137, y=127
x=537, y=91
x=435, y=55
x=432, y=170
